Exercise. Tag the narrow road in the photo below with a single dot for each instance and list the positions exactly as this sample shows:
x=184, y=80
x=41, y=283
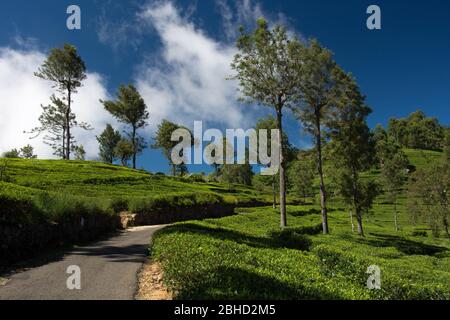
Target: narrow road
x=108, y=268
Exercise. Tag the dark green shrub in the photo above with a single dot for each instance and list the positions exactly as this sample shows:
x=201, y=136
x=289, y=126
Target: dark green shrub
x=119, y=204
x=419, y=233
x=289, y=238
x=195, y=177
x=309, y=230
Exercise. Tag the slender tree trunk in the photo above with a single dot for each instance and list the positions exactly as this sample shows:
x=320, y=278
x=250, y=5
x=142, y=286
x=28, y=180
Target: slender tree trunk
x=64, y=143
x=351, y=221
x=359, y=218
x=174, y=169
x=323, y=193
x=395, y=216
x=360, y=223
x=445, y=222
x=68, y=111
x=283, y=222
x=133, y=136
x=274, y=192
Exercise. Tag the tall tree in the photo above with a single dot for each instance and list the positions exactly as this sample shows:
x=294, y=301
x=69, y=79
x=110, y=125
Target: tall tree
x=130, y=108
x=317, y=105
x=163, y=141
x=352, y=148
x=66, y=70
x=428, y=197
x=267, y=67
x=108, y=140
x=394, y=175
x=53, y=121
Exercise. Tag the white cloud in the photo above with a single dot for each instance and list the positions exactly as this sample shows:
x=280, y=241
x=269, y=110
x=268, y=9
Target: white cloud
x=245, y=13
x=22, y=94
x=190, y=81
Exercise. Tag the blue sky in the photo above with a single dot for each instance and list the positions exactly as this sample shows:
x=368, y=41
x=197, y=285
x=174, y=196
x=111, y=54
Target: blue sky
x=177, y=53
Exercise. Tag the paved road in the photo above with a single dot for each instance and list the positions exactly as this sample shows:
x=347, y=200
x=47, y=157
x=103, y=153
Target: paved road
x=108, y=271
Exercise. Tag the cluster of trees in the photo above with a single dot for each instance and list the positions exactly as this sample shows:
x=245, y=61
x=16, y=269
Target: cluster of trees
x=66, y=70
x=417, y=131
x=130, y=109
x=428, y=196
x=26, y=152
x=278, y=71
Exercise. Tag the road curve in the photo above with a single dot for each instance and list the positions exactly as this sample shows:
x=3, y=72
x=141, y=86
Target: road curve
x=108, y=268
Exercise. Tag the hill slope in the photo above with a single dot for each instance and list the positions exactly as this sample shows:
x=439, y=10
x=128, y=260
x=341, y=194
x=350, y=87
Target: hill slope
x=301, y=263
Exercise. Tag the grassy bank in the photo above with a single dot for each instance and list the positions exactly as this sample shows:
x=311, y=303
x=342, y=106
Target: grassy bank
x=246, y=257
x=46, y=203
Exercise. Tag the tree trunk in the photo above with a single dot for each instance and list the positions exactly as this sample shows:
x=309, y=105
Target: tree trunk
x=283, y=222
x=68, y=111
x=351, y=221
x=446, y=227
x=64, y=143
x=395, y=216
x=360, y=224
x=133, y=136
x=323, y=194
x=274, y=192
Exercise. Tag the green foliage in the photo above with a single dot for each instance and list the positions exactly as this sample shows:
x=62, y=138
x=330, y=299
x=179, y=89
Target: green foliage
x=267, y=68
x=301, y=176
x=163, y=140
x=200, y=259
x=417, y=131
x=447, y=145
x=27, y=152
x=80, y=153
x=103, y=182
x=12, y=154
x=66, y=70
x=352, y=148
x=428, y=197
x=64, y=67
x=316, y=104
x=236, y=174
x=124, y=150
x=394, y=174
x=269, y=123
x=108, y=141
x=289, y=238
x=130, y=108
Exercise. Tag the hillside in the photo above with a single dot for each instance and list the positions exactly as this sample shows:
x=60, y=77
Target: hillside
x=103, y=181
x=301, y=263
x=45, y=203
